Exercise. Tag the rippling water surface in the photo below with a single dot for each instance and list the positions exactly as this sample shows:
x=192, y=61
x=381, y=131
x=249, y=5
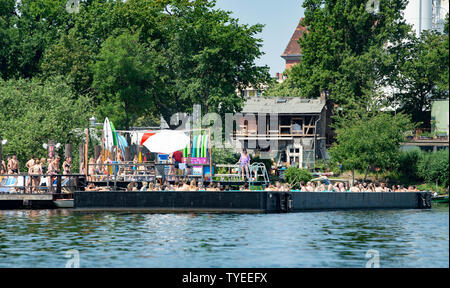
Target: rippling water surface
x=403, y=238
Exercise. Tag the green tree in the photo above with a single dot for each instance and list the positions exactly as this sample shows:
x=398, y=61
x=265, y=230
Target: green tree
x=344, y=51
x=295, y=175
x=71, y=57
x=287, y=88
x=371, y=142
x=422, y=75
x=125, y=74
x=434, y=167
x=35, y=111
x=211, y=57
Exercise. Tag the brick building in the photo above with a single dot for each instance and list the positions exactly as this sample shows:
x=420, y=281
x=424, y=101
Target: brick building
x=292, y=54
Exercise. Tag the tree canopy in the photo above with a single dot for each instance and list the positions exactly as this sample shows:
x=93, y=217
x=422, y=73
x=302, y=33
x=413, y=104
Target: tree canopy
x=371, y=142
x=137, y=58
x=35, y=111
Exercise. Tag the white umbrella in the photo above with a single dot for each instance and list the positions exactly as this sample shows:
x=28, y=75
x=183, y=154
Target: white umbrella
x=167, y=141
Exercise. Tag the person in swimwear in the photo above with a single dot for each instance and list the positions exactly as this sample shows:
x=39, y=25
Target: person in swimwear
x=245, y=162
x=29, y=164
x=35, y=171
x=14, y=165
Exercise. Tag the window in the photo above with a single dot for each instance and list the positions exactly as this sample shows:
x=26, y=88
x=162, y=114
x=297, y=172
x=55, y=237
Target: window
x=297, y=126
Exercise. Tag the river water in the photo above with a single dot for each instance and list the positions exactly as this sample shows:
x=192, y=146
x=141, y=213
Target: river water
x=392, y=238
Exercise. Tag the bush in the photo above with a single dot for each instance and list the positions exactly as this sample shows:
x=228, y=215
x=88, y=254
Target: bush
x=431, y=187
x=224, y=156
x=294, y=175
x=407, y=169
x=433, y=166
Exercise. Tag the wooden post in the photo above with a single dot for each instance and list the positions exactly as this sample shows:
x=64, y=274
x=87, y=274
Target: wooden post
x=81, y=157
x=1, y=152
x=86, y=153
x=127, y=156
x=68, y=150
x=58, y=184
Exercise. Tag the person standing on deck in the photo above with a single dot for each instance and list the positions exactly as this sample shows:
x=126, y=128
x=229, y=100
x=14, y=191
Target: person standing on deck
x=35, y=171
x=29, y=164
x=245, y=162
x=178, y=159
x=3, y=167
x=14, y=165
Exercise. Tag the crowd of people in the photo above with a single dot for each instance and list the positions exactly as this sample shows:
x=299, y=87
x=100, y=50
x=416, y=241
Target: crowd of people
x=42, y=166
x=310, y=186
x=178, y=185
x=193, y=185
x=38, y=169
x=48, y=167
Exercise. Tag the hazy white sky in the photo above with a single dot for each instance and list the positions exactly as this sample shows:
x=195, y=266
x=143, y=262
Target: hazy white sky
x=280, y=17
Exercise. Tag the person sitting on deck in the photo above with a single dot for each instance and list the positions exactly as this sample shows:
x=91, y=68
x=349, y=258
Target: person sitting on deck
x=144, y=186
x=370, y=188
x=132, y=186
x=269, y=187
x=355, y=188
x=341, y=187
x=210, y=187
x=378, y=188
x=310, y=187
x=302, y=186
x=285, y=187
x=91, y=187
x=193, y=186
x=245, y=187
x=331, y=188
x=277, y=186
x=320, y=188
x=185, y=186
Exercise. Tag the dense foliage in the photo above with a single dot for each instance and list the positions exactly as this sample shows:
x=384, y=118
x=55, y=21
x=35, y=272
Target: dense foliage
x=34, y=112
x=132, y=61
x=371, y=142
x=295, y=175
x=434, y=167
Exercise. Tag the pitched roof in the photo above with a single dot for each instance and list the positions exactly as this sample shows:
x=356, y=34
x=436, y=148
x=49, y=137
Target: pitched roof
x=284, y=105
x=293, y=48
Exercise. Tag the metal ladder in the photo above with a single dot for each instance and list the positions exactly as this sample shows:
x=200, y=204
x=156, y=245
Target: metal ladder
x=258, y=170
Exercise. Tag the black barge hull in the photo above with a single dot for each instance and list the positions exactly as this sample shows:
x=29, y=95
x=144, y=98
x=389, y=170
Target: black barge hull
x=246, y=202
